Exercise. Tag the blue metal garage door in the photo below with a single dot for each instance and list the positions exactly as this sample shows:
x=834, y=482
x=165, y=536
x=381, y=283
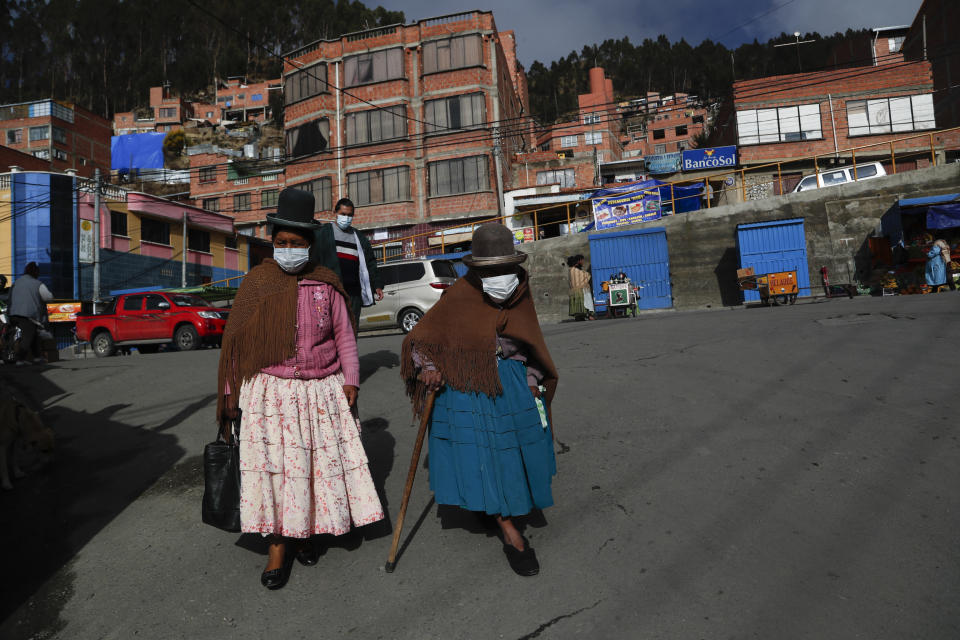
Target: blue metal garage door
x=780, y=245
x=642, y=255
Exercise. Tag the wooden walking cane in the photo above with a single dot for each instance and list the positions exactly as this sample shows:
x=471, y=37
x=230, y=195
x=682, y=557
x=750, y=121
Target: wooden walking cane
x=414, y=463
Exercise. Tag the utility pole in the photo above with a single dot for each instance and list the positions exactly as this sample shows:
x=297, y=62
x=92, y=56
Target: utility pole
x=796, y=34
x=183, y=267
x=96, y=239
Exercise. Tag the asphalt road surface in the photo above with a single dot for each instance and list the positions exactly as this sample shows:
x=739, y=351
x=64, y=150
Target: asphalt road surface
x=761, y=473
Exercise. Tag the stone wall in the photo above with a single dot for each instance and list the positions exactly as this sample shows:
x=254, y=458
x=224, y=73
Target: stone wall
x=703, y=247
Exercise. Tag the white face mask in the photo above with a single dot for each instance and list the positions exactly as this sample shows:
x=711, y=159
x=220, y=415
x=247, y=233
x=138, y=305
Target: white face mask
x=291, y=259
x=343, y=221
x=500, y=287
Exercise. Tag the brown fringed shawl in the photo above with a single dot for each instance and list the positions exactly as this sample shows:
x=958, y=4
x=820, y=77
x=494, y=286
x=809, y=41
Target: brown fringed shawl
x=459, y=335
x=261, y=330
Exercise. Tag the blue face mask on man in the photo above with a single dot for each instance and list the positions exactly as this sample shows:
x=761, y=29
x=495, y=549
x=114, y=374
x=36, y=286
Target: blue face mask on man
x=344, y=222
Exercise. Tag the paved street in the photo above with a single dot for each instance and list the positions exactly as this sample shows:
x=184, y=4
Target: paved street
x=759, y=473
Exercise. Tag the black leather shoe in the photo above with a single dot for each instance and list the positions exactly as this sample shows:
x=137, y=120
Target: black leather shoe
x=524, y=563
x=308, y=555
x=276, y=578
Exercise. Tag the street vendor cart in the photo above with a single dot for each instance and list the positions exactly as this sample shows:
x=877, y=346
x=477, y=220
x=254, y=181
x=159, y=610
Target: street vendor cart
x=622, y=296
x=779, y=287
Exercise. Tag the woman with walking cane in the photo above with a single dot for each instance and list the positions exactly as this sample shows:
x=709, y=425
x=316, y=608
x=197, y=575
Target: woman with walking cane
x=480, y=356
x=289, y=367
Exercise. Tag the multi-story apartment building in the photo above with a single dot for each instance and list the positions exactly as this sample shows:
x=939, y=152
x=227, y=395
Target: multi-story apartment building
x=65, y=135
x=932, y=37
x=227, y=182
x=167, y=112
x=413, y=122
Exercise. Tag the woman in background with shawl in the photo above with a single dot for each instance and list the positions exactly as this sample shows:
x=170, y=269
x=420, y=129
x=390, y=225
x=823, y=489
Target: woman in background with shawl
x=481, y=350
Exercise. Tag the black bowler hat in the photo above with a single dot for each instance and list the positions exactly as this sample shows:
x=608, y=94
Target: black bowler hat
x=294, y=209
x=492, y=246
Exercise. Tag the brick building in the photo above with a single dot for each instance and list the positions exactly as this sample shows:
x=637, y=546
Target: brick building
x=167, y=112
x=783, y=119
x=932, y=37
x=241, y=101
x=65, y=135
x=882, y=45
x=227, y=182
x=409, y=138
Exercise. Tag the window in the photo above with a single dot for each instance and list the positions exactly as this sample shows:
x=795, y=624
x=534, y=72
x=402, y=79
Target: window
x=198, y=240
x=59, y=135
x=376, y=66
x=566, y=178
x=681, y=145
x=82, y=160
x=307, y=139
x=133, y=303
x=118, y=223
x=209, y=114
x=895, y=43
x=269, y=198
x=322, y=190
x=241, y=202
x=593, y=137
x=591, y=118
x=375, y=125
x=660, y=148
x=659, y=134
x=833, y=177
x=381, y=185
x=444, y=269
x=304, y=83
x=780, y=124
x=863, y=171
x=241, y=96
x=810, y=182
x=569, y=141
x=60, y=154
x=155, y=231
x=207, y=174
x=155, y=302
x=697, y=119
x=167, y=112
x=907, y=113
x=410, y=272
x=230, y=241
x=452, y=53
x=211, y=204
x=43, y=154
x=463, y=175
x=14, y=136
x=39, y=133
x=681, y=130
x=458, y=112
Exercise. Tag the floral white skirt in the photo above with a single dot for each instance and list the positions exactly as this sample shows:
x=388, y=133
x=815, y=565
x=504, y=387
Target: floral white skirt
x=303, y=469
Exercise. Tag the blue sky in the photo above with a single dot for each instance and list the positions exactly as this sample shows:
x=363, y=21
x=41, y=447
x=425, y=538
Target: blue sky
x=550, y=29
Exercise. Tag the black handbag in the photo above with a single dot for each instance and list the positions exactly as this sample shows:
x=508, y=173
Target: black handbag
x=221, y=480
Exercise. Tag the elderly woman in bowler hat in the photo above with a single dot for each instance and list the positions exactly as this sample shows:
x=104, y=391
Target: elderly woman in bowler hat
x=289, y=368
x=480, y=349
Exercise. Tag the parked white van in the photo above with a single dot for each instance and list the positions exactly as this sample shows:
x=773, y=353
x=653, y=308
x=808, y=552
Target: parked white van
x=842, y=175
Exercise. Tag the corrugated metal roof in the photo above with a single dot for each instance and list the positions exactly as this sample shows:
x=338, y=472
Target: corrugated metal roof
x=928, y=200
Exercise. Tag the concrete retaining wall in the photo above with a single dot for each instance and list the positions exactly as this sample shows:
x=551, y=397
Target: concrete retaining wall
x=703, y=248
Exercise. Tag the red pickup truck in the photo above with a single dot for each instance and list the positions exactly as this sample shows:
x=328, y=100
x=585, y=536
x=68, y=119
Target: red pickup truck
x=149, y=319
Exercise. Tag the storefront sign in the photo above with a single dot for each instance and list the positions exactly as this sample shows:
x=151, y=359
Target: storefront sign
x=626, y=208
x=63, y=311
x=664, y=162
x=714, y=158
x=86, y=241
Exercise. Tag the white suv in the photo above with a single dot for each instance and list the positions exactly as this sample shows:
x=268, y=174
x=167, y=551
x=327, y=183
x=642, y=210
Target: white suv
x=410, y=288
x=843, y=175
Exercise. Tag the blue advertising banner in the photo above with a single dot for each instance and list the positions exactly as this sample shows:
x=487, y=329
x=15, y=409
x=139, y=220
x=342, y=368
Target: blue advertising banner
x=714, y=158
x=627, y=204
x=664, y=162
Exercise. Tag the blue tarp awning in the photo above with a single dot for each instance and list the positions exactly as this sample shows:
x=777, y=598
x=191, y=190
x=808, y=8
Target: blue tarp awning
x=943, y=216
x=926, y=201
x=137, y=151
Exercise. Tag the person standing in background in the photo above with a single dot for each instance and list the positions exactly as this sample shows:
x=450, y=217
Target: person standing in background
x=944, y=247
x=348, y=253
x=935, y=272
x=581, y=297
x=28, y=310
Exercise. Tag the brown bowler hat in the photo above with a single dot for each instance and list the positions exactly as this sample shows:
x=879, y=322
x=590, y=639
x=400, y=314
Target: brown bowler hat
x=493, y=246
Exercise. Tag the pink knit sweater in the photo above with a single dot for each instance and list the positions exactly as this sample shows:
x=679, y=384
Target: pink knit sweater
x=325, y=339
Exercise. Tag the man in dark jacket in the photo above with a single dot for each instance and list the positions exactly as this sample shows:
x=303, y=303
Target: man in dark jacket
x=28, y=310
x=348, y=253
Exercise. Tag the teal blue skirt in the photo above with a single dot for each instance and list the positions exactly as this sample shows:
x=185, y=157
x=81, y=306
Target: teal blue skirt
x=492, y=454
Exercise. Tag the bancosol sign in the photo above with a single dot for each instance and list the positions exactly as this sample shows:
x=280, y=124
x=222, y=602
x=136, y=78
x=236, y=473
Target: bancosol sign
x=715, y=158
